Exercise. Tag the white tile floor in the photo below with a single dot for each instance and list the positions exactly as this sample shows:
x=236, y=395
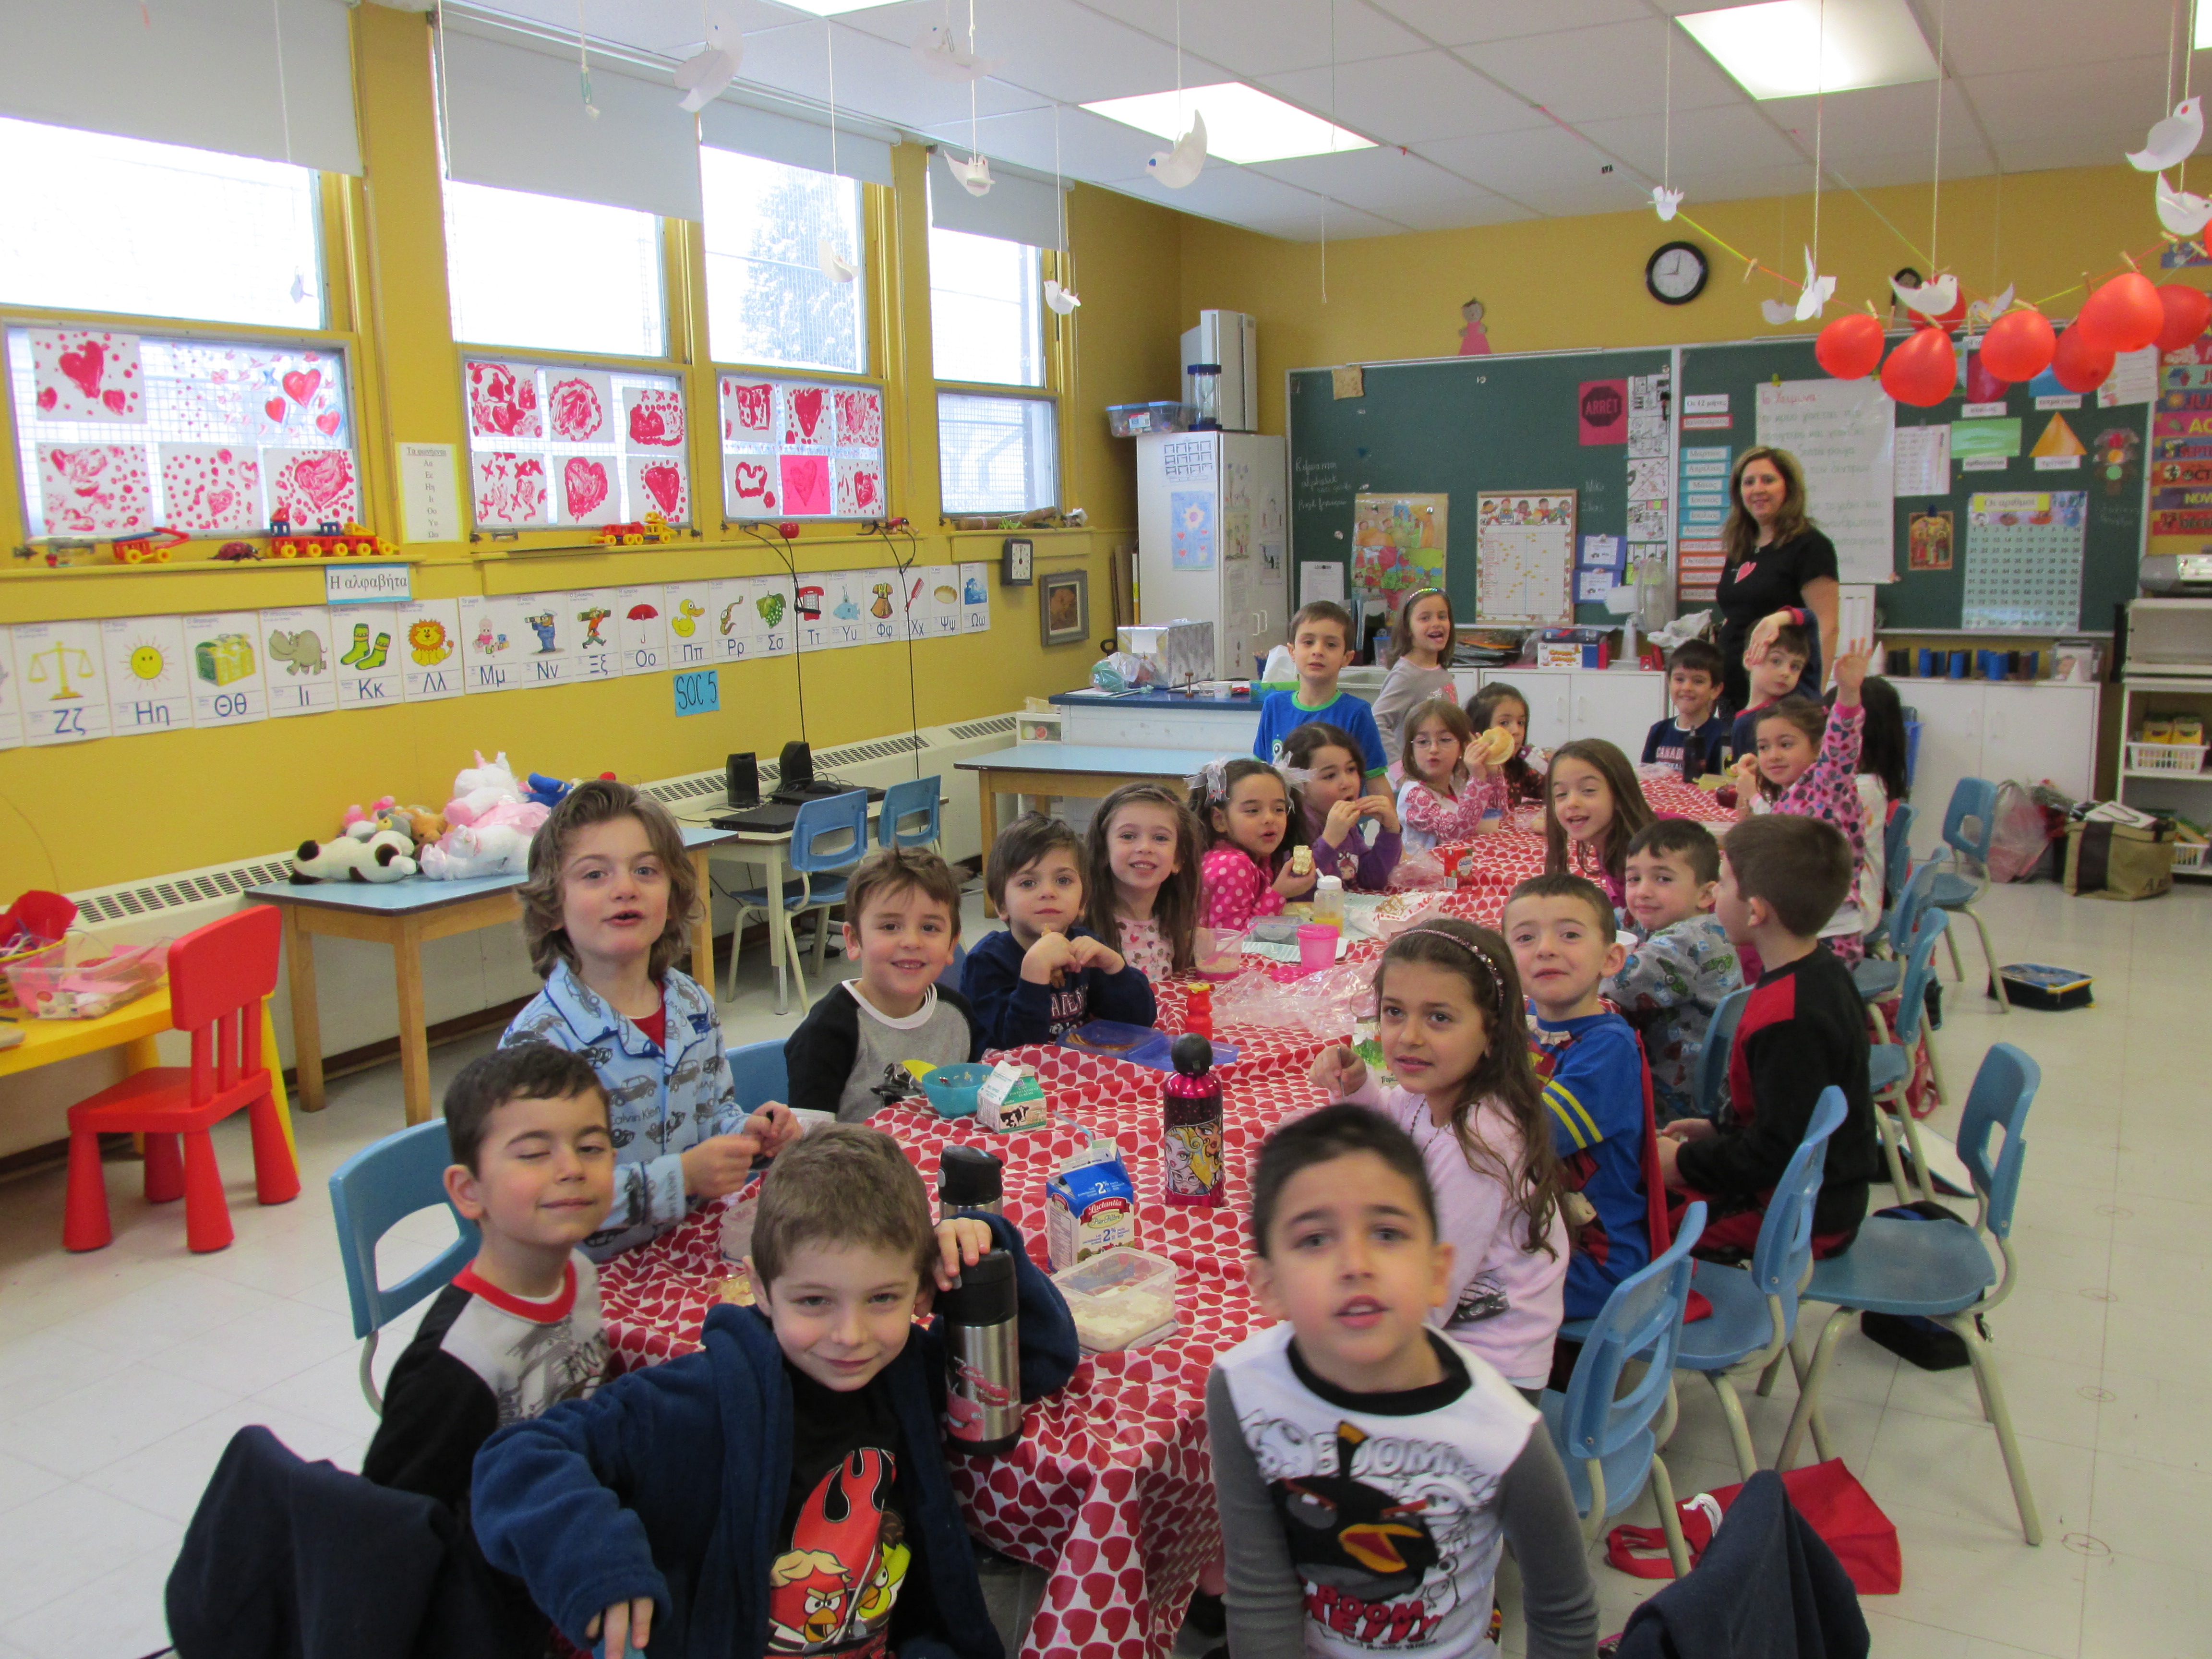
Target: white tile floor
x=124, y=1373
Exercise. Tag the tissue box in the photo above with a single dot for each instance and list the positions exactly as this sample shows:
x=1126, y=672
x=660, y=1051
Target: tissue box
x=1180, y=653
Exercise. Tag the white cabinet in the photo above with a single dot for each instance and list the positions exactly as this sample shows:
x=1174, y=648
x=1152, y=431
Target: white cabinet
x=2027, y=732
x=1224, y=494
x=1564, y=703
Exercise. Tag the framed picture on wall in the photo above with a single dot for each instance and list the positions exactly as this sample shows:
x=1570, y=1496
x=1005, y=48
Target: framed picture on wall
x=1064, y=607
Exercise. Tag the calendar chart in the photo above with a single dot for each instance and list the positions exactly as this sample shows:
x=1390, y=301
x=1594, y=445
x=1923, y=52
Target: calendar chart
x=2024, y=560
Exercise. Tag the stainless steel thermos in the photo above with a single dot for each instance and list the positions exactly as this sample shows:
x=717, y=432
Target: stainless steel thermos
x=969, y=1178
x=983, y=1358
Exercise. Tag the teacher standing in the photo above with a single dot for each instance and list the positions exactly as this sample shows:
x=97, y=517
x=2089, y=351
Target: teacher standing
x=1777, y=561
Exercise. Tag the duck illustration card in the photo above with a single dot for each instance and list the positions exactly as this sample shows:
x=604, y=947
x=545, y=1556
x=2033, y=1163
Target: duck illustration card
x=64, y=671
x=690, y=624
x=296, y=659
x=86, y=374
x=149, y=687
x=370, y=667
x=222, y=654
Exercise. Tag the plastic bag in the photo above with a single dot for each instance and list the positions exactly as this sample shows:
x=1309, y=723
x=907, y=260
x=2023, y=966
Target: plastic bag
x=1422, y=872
x=1328, y=1004
x=80, y=979
x=1121, y=671
x=1396, y=913
x=2024, y=829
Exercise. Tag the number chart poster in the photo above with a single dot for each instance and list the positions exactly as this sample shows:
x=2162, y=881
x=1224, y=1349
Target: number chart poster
x=1524, y=556
x=2024, y=561
x=1398, y=546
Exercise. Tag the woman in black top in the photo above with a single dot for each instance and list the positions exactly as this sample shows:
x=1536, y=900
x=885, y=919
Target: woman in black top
x=1777, y=561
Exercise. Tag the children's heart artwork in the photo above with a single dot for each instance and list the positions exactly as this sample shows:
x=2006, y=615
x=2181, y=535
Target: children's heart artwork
x=806, y=415
x=502, y=400
x=577, y=401
x=587, y=493
x=657, y=484
x=860, y=419
x=748, y=409
x=298, y=396
x=510, y=488
x=93, y=489
x=209, y=488
x=805, y=484
x=312, y=486
x=655, y=416
x=860, y=489
x=753, y=491
x=86, y=374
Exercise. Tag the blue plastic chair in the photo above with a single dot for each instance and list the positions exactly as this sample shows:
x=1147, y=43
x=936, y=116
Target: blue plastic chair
x=829, y=836
x=1939, y=1270
x=908, y=816
x=1755, y=1313
x=1710, y=1075
x=1896, y=869
x=758, y=1072
x=1605, y=1437
x=1969, y=825
x=1889, y=1064
x=1879, y=977
x=370, y=1193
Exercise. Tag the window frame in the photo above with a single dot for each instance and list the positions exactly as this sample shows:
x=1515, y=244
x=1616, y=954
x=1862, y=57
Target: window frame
x=873, y=335
x=1059, y=351
x=674, y=324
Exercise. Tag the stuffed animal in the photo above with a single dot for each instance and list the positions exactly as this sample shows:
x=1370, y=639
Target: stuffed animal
x=422, y=825
x=361, y=822
x=468, y=850
x=548, y=793
x=381, y=856
x=478, y=788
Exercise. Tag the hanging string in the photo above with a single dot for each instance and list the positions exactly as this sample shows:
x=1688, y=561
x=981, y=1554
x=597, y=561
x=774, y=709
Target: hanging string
x=1181, y=119
x=1331, y=129
x=1935, y=183
x=2188, y=63
x=973, y=152
x=829, y=50
x=1819, y=109
x=583, y=64
x=1666, y=120
x=283, y=90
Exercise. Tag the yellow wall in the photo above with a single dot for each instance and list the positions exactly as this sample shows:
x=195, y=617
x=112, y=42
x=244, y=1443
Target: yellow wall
x=1557, y=283
x=92, y=814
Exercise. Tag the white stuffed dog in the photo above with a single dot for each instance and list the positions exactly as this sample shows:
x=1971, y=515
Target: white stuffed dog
x=384, y=856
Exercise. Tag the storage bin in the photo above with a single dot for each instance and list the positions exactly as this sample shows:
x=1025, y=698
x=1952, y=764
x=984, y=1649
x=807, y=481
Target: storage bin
x=1128, y=420
x=2181, y=759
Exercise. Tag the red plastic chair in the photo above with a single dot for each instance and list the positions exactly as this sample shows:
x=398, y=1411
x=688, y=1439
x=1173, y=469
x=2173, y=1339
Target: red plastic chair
x=218, y=975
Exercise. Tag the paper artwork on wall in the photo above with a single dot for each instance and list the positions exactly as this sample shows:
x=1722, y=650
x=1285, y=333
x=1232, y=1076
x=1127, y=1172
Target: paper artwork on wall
x=210, y=489
x=691, y=624
x=86, y=374
x=748, y=409
x=1190, y=528
x=297, y=658
x=502, y=399
x=371, y=664
x=755, y=489
x=593, y=643
x=578, y=405
x=860, y=489
x=228, y=685
x=2024, y=561
x=806, y=411
x=799, y=450
x=510, y=488
x=298, y=398
x=11, y=707
x=860, y=418
x=658, y=484
x=93, y=489
x=1524, y=556
x=805, y=484
x=312, y=486
x=148, y=675
x=64, y=694
x=975, y=599
x=588, y=494
x=640, y=621
x=1397, y=545
x=430, y=632
x=653, y=416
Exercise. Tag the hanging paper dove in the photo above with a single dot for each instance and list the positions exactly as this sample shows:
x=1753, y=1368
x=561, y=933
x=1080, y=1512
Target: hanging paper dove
x=2181, y=211
x=1779, y=311
x=936, y=51
x=1930, y=299
x=2173, y=140
x=1982, y=313
x=702, y=76
x=835, y=266
x=974, y=174
x=1815, y=293
x=1665, y=200
x=1062, y=301
x=1177, y=168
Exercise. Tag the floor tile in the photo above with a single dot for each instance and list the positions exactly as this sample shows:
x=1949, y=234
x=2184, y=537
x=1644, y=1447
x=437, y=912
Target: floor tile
x=330, y=1393
x=2138, y=1609
x=124, y=1411
x=118, y=1615
x=2151, y=1511
x=2158, y=1418
x=80, y=1537
x=184, y=1306
x=2147, y=1339
x=22, y=1483
x=260, y=1348
x=169, y=1476
x=1960, y=1576
x=1942, y=1466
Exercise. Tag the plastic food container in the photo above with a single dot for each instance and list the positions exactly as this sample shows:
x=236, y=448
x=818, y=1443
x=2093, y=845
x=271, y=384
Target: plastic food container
x=1128, y=420
x=951, y=1088
x=1121, y=1298
x=1218, y=952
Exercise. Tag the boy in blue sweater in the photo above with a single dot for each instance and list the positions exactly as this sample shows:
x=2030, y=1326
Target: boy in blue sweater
x=1046, y=974
x=1564, y=942
x=1320, y=645
x=784, y=1489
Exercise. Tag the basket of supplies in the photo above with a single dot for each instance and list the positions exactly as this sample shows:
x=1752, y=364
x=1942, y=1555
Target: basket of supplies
x=2183, y=760
x=31, y=933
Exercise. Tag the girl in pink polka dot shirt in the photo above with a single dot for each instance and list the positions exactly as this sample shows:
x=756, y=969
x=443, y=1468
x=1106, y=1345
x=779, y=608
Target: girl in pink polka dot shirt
x=1254, y=830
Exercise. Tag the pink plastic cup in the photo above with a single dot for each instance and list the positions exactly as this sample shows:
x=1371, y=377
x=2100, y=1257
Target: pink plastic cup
x=1316, y=947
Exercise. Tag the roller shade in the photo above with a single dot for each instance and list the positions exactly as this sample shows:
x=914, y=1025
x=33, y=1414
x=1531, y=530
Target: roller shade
x=1017, y=209
x=515, y=118
x=197, y=72
x=795, y=141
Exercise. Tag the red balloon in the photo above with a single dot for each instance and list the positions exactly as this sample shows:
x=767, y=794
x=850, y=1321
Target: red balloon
x=1851, y=347
x=2080, y=363
x=2124, y=315
x=2018, y=346
x=2187, y=311
x=1925, y=370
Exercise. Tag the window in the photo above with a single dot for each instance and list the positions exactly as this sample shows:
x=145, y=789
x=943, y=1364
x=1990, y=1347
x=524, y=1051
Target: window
x=117, y=433
x=552, y=445
x=794, y=451
x=998, y=454
x=561, y=275
x=768, y=299
x=986, y=309
x=96, y=223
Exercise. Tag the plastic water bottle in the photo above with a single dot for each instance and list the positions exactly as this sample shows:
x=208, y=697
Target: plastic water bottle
x=1190, y=1125
x=1329, y=902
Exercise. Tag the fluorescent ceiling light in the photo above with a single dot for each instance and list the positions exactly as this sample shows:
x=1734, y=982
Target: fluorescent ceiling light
x=1777, y=50
x=835, y=7
x=2204, y=35
x=1243, y=123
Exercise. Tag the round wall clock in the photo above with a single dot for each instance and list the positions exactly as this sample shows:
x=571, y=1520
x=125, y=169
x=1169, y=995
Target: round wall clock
x=1676, y=273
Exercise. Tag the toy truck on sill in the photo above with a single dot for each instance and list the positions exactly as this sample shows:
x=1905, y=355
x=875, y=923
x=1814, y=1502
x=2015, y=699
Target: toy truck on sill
x=331, y=540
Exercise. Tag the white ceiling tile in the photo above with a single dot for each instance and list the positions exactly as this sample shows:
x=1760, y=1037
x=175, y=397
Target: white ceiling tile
x=1252, y=37
x=1385, y=182
x=1729, y=137
x=1608, y=69
x=2034, y=152
x=1345, y=225
x=2121, y=97
x=1065, y=50
x=1736, y=185
x=1463, y=22
x=1911, y=167
x=1981, y=37
x=1574, y=200
x=1875, y=117
x=667, y=27
x=1407, y=99
x=1224, y=191
x=1090, y=146
x=874, y=77
x=1517, y=164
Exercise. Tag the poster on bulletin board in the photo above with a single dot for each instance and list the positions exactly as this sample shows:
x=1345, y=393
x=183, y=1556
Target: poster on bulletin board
x=1398, y=545
x=2024, y=560
x=1524, y=556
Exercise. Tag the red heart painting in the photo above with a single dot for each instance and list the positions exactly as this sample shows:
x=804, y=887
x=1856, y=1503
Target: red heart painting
x=312, y=485
x=860, y=488
x=656, y=416
x=860, y=419
x=805, y=484
x=209, y=487
x=752, y=480
x=748, y=409
x=84, y=366
x=328, y=423
x=116, y=402
x=300, y=386
x=583, y=483
x=93, y=489
x=78, y=374
x=663, y=481
x=47, y=398
x=806, y=415
x=274, y=409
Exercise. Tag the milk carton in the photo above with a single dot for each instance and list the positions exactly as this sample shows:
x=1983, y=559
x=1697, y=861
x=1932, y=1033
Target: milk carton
x=1010, y=1098
x=1091, y=1205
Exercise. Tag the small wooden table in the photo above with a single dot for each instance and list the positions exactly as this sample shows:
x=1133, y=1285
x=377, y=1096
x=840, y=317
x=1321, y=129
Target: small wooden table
x=1089, y=770
x=405, y=915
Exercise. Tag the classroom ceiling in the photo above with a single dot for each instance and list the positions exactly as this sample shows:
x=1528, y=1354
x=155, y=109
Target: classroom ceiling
x=1483, y=110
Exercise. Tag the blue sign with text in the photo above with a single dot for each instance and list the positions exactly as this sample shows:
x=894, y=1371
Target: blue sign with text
x=699, y=693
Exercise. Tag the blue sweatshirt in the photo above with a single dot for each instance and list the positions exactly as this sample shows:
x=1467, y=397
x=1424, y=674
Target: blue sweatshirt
x=1283, y=714
x=1007, y=1010
x=1593, y=1074
x=671, y=1483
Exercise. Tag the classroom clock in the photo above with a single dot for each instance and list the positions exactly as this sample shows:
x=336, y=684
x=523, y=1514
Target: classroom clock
x=1017, y=562
x=1676, y=273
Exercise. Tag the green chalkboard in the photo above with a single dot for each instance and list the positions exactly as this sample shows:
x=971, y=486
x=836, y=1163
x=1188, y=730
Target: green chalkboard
x=2113, y=528
x=1456, y=426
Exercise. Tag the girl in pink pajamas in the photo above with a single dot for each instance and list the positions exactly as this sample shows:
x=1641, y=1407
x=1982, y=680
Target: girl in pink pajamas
x=1253, y=830
x=1440, y=803
x=1807, y=763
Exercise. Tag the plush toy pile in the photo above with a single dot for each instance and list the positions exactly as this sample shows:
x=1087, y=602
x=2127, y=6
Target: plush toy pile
x=489, y=824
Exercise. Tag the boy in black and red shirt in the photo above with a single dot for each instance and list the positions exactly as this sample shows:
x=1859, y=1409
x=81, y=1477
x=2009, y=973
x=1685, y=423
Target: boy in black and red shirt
x=1804, y=1030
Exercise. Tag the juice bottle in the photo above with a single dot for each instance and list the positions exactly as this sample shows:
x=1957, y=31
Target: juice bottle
x=1190, y=1125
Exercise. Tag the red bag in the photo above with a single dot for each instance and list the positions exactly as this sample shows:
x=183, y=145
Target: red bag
x=1827, y=1495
